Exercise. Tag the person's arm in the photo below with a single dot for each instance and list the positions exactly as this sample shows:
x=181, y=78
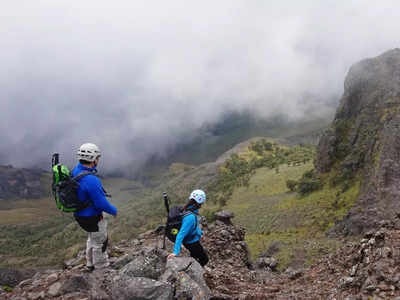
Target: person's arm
x=187, y=225
x=100, y=201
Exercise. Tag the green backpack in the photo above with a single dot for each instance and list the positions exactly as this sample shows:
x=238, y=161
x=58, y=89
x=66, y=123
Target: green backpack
x=65, y=189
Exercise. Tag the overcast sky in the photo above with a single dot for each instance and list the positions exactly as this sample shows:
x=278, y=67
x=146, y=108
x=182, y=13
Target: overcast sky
x=136, y=77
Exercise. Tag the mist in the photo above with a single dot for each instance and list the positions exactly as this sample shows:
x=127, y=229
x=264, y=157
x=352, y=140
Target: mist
x=139, y=77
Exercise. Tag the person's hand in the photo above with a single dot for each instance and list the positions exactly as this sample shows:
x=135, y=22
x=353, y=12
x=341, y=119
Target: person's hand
x=171, y=255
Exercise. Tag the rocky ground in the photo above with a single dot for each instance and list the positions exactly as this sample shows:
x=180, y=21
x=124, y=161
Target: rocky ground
x=368, y=269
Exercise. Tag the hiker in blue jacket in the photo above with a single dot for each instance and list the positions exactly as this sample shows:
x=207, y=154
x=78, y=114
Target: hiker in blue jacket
x=91, y=218
x=190, y=233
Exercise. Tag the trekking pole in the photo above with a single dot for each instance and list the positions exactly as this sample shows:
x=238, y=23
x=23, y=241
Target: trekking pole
x=55, y=159
x=166, y=203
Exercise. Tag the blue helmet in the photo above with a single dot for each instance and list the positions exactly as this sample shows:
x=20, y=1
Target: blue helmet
x=199, y=196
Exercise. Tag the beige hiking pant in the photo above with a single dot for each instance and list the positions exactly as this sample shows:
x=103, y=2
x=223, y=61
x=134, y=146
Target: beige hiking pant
x=96, y=252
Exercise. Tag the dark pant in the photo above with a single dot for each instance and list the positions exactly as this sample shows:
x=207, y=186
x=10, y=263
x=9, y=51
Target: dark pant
x=89, y=224
x=197, y=252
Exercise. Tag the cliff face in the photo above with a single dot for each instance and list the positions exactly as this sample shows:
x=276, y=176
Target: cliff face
x=20, y=183
x=363, y=142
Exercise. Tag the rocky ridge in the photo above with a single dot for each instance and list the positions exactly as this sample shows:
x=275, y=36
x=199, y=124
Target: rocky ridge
x=139, y=270
x=359, y=270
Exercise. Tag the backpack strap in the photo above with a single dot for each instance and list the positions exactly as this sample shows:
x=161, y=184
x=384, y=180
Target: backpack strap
x=190, y=212
x=77, y=178
x=59, y=172
x=83, y=174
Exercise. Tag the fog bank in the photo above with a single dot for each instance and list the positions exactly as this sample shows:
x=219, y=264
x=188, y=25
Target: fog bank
x=138, y=77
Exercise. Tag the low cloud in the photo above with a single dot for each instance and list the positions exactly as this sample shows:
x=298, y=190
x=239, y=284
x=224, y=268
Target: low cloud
x=139, y=77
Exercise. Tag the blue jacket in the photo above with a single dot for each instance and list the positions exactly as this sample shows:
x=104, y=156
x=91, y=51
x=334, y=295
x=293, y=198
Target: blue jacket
x=189, y=232
x=90, y=188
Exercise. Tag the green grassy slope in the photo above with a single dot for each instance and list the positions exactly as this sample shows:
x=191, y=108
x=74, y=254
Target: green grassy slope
x=35, y=232
x=273, y=215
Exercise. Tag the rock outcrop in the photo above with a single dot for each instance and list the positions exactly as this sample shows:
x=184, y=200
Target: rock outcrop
x=363, y=142
x=363, y=269
x=140, y=270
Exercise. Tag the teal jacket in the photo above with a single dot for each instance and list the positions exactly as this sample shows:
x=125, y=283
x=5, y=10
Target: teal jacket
x=189, y=232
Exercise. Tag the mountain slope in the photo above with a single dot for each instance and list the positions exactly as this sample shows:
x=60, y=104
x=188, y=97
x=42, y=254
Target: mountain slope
x=18, y=183
x=363, y=142
x=211, y=141
x=289, y=223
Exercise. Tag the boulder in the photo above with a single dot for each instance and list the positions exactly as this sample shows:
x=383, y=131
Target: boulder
x=54, y=289
x=75, y=283
x=37, y=296
x=150, y=263
x=187, y=275
x=52, y=278
x=11, y=277
x=186, y=288
x=224, y=216
x=98, y=294
x=345, y=282
x=97, y=283
x=140, y=288
x=273, y=248
x=293, y=274
x=122, y=261
x=267, y=262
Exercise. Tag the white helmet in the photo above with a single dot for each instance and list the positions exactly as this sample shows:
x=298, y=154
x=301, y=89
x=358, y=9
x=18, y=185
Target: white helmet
x=199, y=196
x=88, y=152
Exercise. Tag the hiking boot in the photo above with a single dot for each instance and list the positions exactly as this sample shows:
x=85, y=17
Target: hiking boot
x=89, y=269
